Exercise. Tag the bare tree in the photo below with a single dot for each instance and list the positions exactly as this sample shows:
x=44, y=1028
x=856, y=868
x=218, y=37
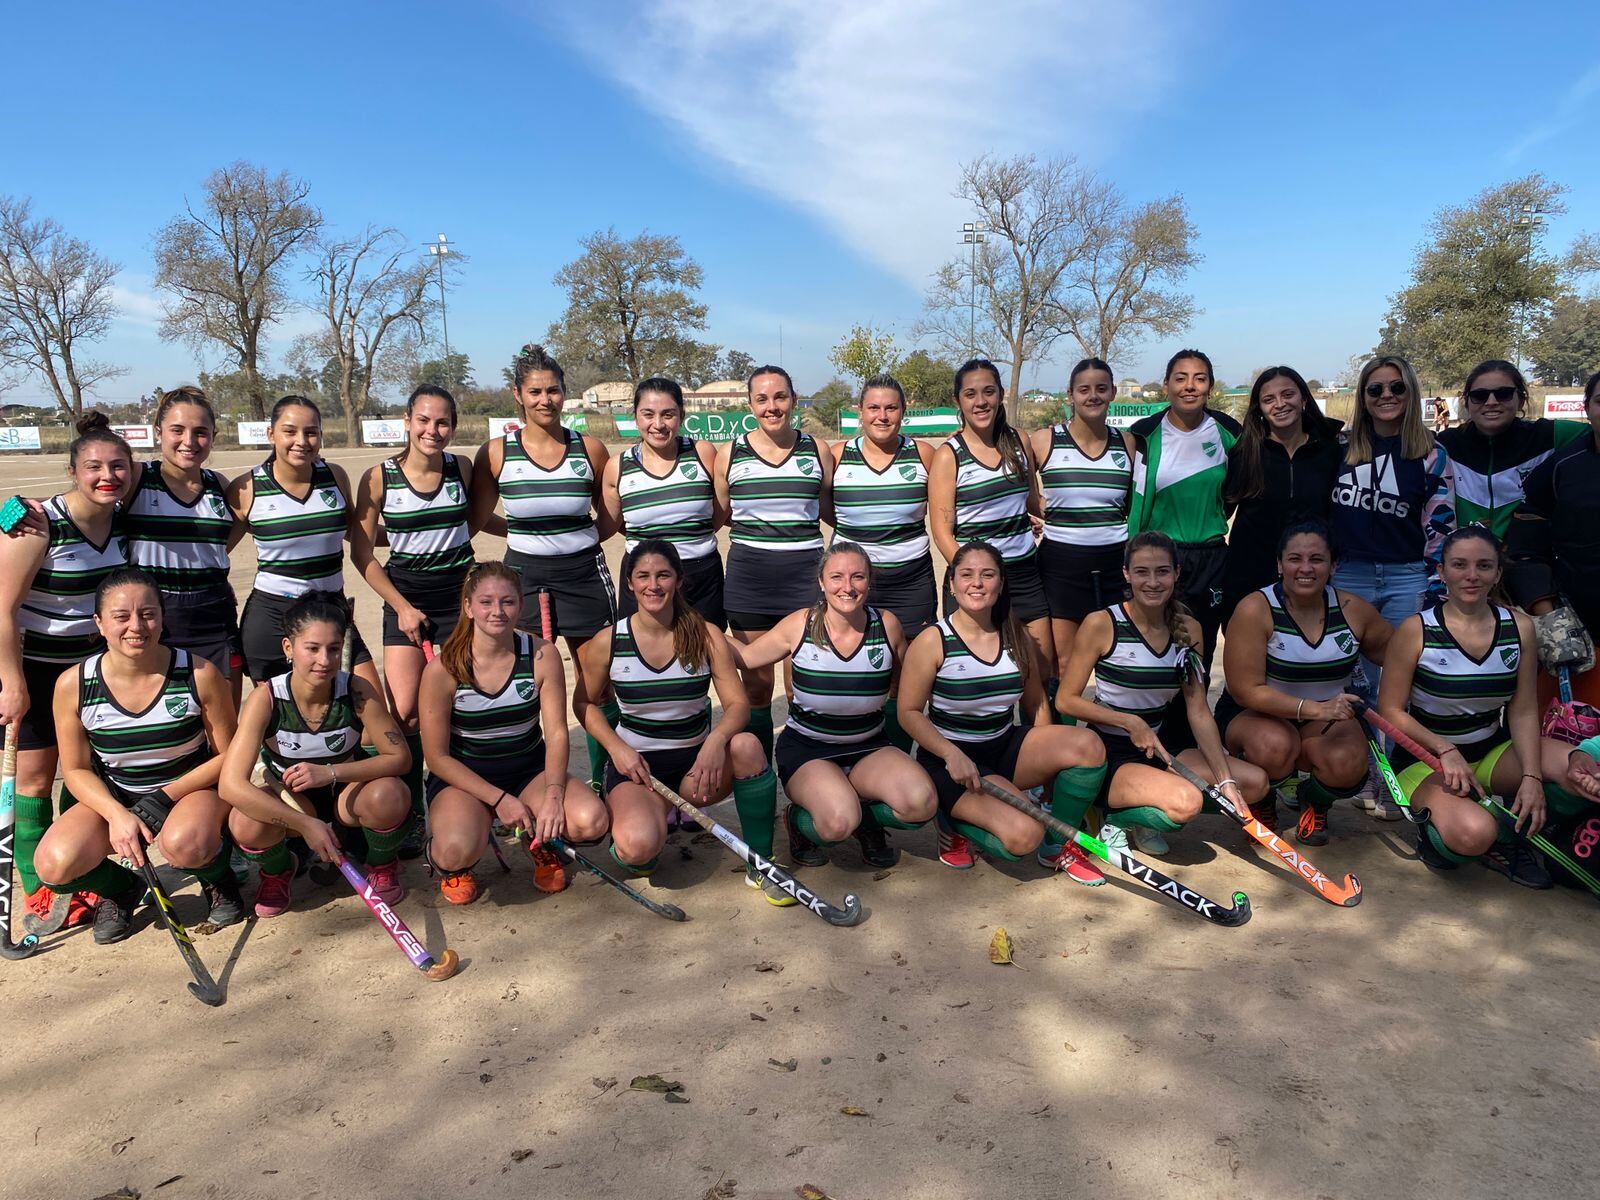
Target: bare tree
x=223, y=266
x=55, y=296
x=1114, y=296
x=373, y=291
x=629, y=302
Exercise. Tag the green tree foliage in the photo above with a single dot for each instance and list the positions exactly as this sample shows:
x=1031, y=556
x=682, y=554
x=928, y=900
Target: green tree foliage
x=1567, y=349
x=928, y=381
x=863, y=353
x=829, y=401
x=735, y=364
x=453, y=372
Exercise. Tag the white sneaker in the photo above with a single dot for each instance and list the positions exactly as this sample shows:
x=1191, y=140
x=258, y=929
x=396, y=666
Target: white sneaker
x=1367, y=798
x=1114, y=837
x=1150, y=841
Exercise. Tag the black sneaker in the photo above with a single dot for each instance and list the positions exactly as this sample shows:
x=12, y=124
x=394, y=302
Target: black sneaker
x=225, y=906
x=1518, y=863
x=1430, y=857
x=874, y=842
x=802, y=850
x=412, y=846
x=113, y=916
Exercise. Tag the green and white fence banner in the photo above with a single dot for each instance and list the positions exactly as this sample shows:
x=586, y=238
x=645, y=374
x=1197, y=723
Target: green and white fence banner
x=919, y=422
x=702, y=426
x=1124, y=413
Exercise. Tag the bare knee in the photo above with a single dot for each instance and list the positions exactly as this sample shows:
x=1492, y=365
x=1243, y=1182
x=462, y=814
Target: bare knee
x=1184, y=805
x=916, y=801
x=1341, y=765
x=835, y=824
x=587, y=822
x=383, y=803
x=453, y=850
x=1274, y=748
x=637, y=842
x=1021, y=837
x=1253, y=782
x=189, y=847
x=52, y=864
x=748, y=756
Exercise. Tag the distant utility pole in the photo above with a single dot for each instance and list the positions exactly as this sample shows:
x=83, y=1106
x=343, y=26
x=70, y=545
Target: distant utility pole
x=1531, y=219
x=972, y=235
x=439, y=249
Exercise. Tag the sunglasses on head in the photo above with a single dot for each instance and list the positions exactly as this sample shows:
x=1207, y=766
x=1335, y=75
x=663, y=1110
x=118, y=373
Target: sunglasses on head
x=1397, y=388
x=1481, y=395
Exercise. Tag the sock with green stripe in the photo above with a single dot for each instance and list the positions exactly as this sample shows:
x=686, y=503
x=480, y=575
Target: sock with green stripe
x=33, y=818
x=414, y=775
x=1433, y=837
x=1144, y=816
x=598, y=758
x=984, y=841
x=756, y=801
x=1563, y=803
x=274, y=860
x=898, y=738
x=1072, y=793
x=886, y=818
x=217, y=869
x=383, y=845
x=108, y=879
x=760, y=724
x=1314, y=794
x=803, y=821
x=637, y=870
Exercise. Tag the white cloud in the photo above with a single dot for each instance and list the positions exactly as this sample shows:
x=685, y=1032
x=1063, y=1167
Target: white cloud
x=137, y=304
x=860, y=113
x=1562, y=114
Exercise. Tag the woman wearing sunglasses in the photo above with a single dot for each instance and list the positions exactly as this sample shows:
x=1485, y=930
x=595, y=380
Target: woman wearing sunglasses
x=1497, y=448
x=1393, y=506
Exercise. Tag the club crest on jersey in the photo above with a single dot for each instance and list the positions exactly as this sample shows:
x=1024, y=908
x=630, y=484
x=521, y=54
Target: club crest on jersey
x=453, y=490
x=177, y=706
x=329, y=498
x=525, y=688
x=336, y=742
x=875, y=656
x=580, y=467
x=1210, y=448
x=1118, y=458
x=1510, y=655
x=1344, y=641
x=691, y=470
x=219, y=506
x=807, y=467
x=908, y=472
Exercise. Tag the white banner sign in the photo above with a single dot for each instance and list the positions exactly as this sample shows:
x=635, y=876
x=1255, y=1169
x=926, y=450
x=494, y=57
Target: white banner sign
x=1564, y=404
x=19, y=437
x=500, y=426
x=253, y=433
x=138, y=437
x=383, y=432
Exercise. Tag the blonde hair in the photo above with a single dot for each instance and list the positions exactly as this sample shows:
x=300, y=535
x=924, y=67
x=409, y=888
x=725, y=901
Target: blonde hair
x=456, y=653
x=1416, y=439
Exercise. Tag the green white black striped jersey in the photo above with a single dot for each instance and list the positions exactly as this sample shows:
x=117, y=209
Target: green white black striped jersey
x=183, y=546
x=491, y=731
x=991, y=504
x=776, y=506
x=427, y=532
x=548, y=512
x=1302, y=668
x=299, y=542
x=663, y=708
x=884, y=512
x=57, y=614
x=972, y=699
x=1456, y=696
x=290, y=738
x=1086, y=499
x=840, y=699
x=1134, y=677
x=144, y=751
x=676, y=507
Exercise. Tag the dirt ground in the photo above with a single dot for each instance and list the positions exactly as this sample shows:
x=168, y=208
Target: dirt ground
x=1437, y=1040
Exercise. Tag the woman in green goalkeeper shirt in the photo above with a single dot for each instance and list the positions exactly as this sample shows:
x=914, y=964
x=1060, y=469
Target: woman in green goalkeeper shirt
x=776, y=484
x=662, y=488
x=834, y=758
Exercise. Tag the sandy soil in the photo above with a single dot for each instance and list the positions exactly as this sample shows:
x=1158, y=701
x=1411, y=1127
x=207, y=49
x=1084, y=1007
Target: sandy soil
x=1437, y=1040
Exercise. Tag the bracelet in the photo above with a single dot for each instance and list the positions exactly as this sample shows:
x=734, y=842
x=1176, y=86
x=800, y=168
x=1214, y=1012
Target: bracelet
x=1535, y=778
x=1225, y=782
x=333, y=770
x=1299, y=708
x=495, y=803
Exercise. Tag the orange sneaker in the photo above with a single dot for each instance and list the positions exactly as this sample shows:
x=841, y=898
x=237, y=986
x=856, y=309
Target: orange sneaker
x=460, y=888
x=81, y=909
x=548, y=873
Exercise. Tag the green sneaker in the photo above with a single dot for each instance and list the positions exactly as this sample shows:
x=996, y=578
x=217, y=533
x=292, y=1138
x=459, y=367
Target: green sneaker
x=775, y=895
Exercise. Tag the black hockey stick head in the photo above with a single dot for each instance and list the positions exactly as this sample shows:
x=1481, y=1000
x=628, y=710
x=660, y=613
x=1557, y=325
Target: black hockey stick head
x=850, y=914
x=1238, y=914
x=18, y=950
x=211, y=996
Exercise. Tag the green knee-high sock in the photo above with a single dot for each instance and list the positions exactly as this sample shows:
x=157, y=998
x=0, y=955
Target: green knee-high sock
x=898, y=738
x=108, y=879
x=33, y=818
x=1432, y=835
x=885, y=817
x=985, y=841
x=597, y=755
x=760, y=724
x=803, y=820
x=637, y=870
x=67, y=798
x=1145, y=816
x=217, y=869
x=1314, y=794
x=414, y=775
x=1563, y=803
x=1073, y=791
x=274, y=860
x=383, y=845
x=756, y=801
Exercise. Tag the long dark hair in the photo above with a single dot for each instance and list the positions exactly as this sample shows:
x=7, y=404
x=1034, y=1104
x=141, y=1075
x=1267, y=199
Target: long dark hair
x=1174, y=612
x=691, y=645
x=1014, y=639
x=1013, y=457
x=95, y=426
x=1245, y=479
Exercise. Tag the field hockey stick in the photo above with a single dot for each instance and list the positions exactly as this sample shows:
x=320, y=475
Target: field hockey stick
x=448, y=963
x=1149, y=876
x=1541, y=843
x=204, y=987
x=1347, y=895
x=670, y=911
x=1417, y=816
x=545, y=627
x=848, y=915
x=8, y=822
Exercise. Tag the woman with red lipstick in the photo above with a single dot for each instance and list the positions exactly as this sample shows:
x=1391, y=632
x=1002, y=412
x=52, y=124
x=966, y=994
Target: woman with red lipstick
x=662, y=488
x=47, y=590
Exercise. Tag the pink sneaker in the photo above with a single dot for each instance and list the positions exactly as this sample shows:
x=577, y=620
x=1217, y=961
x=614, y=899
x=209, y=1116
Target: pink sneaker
x=1077, y=867
x=954, y=850
x=274, y=892
x=385, y=881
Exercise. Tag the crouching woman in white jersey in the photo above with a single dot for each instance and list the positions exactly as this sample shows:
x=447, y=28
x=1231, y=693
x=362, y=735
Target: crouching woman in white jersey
x=141, y=729
x=301, y=733
x=494, y=729
x=840, y=772
x=1142, y=653
x=661, y=664
x=969, y=671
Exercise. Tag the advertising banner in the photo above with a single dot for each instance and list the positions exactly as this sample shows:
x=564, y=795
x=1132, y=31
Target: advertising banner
x=919, y=422
x=385, y=431
x=1567, y=405
x=19, y=437
x=253, y=433
x=138, y=437
x=500, y=426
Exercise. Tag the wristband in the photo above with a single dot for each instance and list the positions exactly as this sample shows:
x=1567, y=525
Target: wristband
x=495, y=803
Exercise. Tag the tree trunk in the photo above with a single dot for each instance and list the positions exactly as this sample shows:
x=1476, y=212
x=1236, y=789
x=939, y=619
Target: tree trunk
x=252, y=380
x=352, y=405
x=1014, y=393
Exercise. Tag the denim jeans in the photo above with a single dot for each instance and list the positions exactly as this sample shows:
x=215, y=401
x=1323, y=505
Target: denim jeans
x=1396, y=590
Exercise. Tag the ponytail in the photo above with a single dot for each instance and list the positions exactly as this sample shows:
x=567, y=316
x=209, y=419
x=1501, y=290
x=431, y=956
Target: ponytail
x=691, y=645
x=1173, y=614
x=1013, y=455
x=456, y=653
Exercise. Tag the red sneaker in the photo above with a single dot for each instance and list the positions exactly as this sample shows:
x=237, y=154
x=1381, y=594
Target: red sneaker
x=1077, y=866
x=81, y=909
x=548, y=873
x=275, y=892
x=1313, y=827
x=385, y=881
x=954, y=850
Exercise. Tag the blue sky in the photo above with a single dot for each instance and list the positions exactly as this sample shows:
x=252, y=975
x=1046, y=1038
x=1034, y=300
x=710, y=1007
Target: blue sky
x=805, y=150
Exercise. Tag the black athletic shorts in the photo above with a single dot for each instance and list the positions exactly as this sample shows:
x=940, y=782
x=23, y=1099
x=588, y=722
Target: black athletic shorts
x=436, y=594
x=765, y=586
x=1023, y=585
x=908, y=591
x=582, y=598
x=669, y=766
x=206, y=624
x=1120, y=752
x=1079, y=580
x=794, y=750
x=997, y=756
x=261, y=630
x=510, y=777
x=37, y=729
x=702, y=584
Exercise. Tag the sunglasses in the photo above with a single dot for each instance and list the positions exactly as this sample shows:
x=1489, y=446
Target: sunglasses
x=1375, y=390
x=1481, y=395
